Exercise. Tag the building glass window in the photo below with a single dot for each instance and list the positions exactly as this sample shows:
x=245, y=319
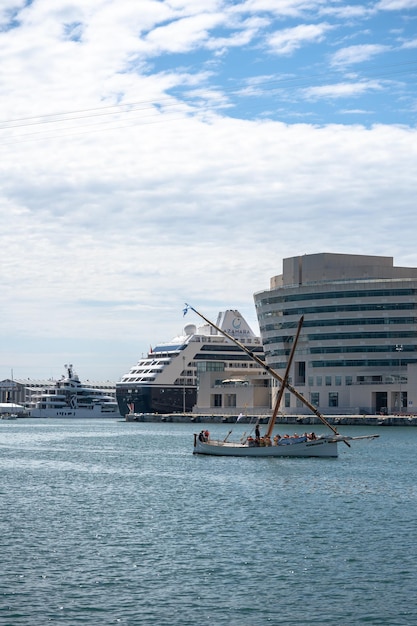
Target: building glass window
x=338, y=381
x=230, y=400
x=315, y=398
x=217, y=399
x=319, y=381
x=328, y=381
x=333, y=399
x=300, y=373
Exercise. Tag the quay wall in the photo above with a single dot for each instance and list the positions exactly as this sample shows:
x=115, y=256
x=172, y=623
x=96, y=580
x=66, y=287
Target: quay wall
x=334, y=420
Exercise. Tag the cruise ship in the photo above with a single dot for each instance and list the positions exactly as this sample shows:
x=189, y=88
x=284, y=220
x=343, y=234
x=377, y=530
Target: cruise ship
x=166, y=380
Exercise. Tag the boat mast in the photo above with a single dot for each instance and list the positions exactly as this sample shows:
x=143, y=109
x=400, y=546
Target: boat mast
x=269, y=369
x=273, y=417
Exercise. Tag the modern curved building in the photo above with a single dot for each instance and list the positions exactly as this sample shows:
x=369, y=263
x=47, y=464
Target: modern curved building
x=357, y=351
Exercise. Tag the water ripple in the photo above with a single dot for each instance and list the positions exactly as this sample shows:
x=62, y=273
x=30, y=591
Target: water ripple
x=113, y=523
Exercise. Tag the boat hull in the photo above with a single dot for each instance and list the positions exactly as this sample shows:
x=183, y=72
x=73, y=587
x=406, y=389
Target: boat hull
x=68, y=413
x=162, y=399
x=323, y=448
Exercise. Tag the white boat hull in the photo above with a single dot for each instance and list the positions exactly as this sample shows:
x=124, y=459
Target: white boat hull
x=324, y=447
x=68, y=413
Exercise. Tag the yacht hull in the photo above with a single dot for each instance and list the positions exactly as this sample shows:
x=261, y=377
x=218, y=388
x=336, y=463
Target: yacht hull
x=72, y=413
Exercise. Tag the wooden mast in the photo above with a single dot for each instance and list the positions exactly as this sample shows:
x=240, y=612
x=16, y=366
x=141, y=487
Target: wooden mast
x=269, y=369
x=273, y=417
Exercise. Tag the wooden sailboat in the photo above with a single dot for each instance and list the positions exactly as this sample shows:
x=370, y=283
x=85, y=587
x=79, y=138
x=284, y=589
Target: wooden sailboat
x=308, y=445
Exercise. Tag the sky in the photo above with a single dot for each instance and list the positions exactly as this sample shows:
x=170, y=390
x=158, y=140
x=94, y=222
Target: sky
x=154, y=153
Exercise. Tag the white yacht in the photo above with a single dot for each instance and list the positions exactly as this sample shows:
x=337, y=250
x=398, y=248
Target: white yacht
x=69, y=398
x=166, y=380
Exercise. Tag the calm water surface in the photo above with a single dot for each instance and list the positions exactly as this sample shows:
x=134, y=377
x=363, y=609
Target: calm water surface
x=106, y=522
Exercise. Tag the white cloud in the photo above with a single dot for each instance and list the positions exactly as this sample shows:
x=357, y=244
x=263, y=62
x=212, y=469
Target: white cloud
x=396, y=5
x=183, y=34
x=346, y=11
x=123, y=200
x=288, y=40
x=156, y=216
x=357, y=54
x=283, y=8
x=410, y=44
x=342, y=90
x=354, y=111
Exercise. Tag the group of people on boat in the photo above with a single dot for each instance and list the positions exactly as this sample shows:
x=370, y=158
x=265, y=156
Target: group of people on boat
x=204, y=435
x=277, y=440
x=265, y=440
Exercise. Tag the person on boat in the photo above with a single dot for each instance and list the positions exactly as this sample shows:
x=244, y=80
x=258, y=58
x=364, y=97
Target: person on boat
x=257, y=432
x=201, y=436
x=276, y=440
x=312, y=436
x=251, y=441
x=207, y=435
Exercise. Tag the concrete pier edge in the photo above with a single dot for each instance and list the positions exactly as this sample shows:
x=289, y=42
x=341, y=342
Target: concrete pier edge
x=334, y=420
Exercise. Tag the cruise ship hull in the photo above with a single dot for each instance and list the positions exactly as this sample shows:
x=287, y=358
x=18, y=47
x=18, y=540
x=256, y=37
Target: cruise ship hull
x=155, y=399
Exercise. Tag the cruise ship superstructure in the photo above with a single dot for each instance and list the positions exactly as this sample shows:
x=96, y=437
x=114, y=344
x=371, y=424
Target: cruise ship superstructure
x=166, y=380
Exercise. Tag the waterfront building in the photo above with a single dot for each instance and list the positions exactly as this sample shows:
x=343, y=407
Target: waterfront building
x=234, y=392
x=357, y=351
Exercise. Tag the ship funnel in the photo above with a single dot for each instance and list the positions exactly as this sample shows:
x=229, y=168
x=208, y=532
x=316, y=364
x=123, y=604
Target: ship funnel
x=234, y=324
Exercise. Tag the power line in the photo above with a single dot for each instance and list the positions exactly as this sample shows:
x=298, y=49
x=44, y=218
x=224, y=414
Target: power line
x=159, y=105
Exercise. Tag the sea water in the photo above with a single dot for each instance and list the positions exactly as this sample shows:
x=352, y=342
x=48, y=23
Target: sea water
x=108, y=522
